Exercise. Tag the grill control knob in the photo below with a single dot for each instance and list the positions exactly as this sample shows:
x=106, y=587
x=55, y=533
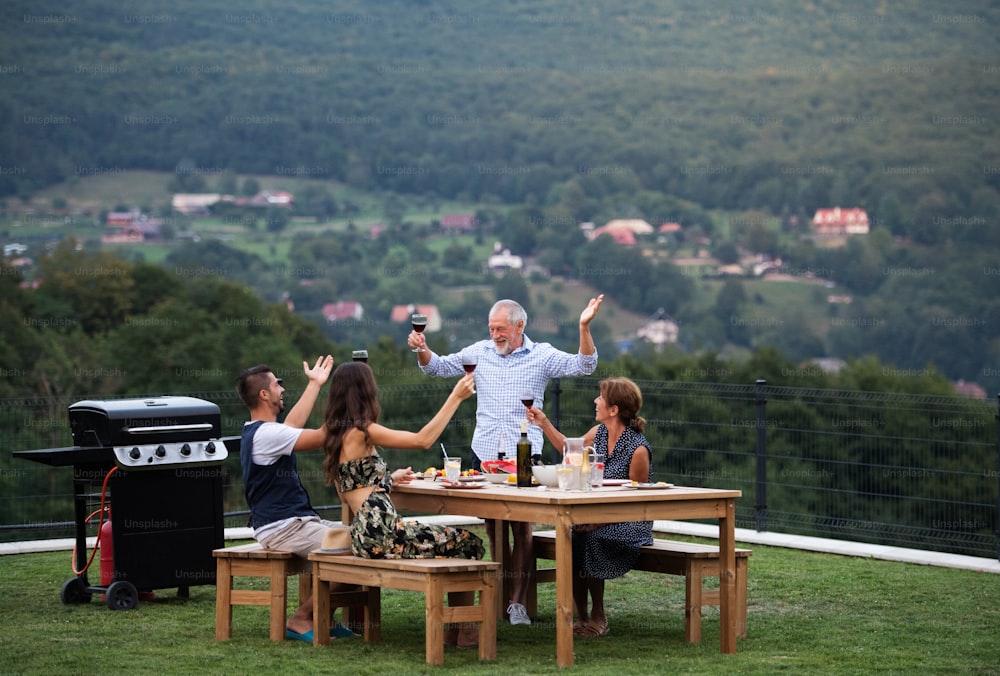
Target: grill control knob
x=210, y=448
x=135, y=453
x=161, y=452
x=186, y=450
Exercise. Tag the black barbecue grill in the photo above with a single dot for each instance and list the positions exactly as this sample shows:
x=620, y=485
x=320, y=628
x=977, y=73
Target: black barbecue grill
x=157, y=461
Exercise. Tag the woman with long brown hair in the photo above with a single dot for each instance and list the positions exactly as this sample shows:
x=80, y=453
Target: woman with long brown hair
x=353, y=465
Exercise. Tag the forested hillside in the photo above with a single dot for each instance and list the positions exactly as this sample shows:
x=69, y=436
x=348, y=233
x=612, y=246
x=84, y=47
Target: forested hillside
x=735, y=120
x=765, y=104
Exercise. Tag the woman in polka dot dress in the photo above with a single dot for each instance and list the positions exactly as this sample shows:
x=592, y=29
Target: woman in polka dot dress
x=603, y=552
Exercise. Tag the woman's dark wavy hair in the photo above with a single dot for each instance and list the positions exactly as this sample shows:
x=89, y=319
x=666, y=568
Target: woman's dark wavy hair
x=351, y=404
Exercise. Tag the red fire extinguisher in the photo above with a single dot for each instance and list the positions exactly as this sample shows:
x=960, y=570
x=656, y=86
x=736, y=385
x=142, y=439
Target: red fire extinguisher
x=107, y=553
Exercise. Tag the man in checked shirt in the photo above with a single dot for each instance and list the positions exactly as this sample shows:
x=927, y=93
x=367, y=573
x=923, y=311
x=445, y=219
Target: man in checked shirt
x=510, y=364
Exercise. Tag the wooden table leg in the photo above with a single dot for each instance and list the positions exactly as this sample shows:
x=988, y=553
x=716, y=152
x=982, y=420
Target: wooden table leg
x=727, y=579
x=564, y=593
x=502, y=554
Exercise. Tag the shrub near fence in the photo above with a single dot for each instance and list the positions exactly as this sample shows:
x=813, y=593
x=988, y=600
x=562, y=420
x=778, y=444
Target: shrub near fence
x=888, y=468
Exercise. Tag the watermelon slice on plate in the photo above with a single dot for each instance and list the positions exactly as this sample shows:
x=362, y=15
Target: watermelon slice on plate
x=497, y=466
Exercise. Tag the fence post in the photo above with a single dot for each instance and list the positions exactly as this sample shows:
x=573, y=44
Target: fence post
x=997, y=524
x=761, y=505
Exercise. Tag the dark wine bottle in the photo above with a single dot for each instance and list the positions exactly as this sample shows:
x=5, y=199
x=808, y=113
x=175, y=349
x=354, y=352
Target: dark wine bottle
x=524, y=458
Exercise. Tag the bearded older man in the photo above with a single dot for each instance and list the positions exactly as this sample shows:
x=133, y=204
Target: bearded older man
x=508, y=365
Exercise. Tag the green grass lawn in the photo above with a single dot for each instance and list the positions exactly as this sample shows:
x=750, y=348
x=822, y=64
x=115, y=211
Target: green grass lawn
x=808, y=613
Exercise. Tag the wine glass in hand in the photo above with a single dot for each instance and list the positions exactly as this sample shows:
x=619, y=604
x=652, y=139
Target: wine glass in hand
x=419, y=323
x=528, y=399
x=469, y=362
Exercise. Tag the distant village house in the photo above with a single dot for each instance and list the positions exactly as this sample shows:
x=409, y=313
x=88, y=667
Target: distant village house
x=400, y=314
x=461, y=223
x=659, y=329
x=342, y=310
x=839, y=221
x=200, y=204
x=622, y=230
x=131, y=227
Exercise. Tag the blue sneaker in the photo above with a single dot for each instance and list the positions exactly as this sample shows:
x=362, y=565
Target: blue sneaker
x=340, y=631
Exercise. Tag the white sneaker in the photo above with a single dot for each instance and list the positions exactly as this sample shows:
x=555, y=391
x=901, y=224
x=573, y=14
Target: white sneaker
x=518, y=614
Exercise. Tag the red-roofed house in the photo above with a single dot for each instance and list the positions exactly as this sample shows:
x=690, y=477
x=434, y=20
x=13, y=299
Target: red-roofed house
x=839, y=221
x=122, y=219
x=622, y=236
x=969, y=389
x=400, y=314
x=458, y=222
x=344, y=309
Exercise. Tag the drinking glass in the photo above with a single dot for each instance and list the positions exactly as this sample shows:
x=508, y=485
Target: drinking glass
x=419, y=323
x=596, y=468
x=528, y=399
x=469, y=362
x=564, y=474
x=453, y=469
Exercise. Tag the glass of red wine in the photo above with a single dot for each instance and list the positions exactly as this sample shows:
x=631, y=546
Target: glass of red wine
x=419, y=323
x=528, y=399
x=469, y=362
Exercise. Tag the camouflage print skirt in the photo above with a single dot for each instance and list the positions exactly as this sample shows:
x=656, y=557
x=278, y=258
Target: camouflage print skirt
x=378, y=532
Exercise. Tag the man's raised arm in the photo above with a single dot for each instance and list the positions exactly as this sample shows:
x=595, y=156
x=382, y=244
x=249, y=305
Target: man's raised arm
x=318, y=376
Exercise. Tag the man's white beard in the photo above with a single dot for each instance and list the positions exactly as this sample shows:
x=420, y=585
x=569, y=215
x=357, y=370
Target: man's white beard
x=503, y=349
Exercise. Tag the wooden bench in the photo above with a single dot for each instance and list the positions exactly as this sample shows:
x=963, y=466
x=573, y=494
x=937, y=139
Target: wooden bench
x=252, y=560
x=694, y=561
x=434, y=577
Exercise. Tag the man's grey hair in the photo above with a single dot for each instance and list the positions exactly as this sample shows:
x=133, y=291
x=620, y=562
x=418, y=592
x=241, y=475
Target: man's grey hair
x=515, y=313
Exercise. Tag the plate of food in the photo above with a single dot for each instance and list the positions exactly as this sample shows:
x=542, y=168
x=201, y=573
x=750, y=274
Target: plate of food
x=471, y=477
x=647, y=486
x=464, y=484
x=617, y=482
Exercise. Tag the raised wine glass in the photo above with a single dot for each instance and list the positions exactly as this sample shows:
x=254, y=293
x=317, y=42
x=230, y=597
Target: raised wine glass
x=469, y=363
x=419, y=323
x=528, y=399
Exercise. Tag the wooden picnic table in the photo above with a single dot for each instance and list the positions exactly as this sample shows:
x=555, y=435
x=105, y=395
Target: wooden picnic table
x=563, y=509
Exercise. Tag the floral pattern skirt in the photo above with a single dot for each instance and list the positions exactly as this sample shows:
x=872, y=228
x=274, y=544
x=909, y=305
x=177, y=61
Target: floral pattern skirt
x=378, y=532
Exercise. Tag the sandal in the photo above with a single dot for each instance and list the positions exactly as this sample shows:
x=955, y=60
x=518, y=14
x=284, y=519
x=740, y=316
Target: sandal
x=591, y=630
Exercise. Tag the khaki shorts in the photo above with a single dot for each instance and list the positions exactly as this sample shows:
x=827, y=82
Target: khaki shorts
x=301, y=536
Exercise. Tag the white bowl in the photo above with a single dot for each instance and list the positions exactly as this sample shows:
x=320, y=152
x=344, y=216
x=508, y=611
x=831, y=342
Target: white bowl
x=546, y=475
x=498, y=478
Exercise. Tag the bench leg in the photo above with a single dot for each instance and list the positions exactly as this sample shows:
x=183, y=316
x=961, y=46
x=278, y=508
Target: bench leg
x=279, y=599
x=321, y=609
x=223, y=600
x=488, y=626
x=434, y=621
x=693, y=601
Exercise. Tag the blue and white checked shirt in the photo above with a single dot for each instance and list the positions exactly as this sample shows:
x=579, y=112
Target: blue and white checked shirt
x=499, y=384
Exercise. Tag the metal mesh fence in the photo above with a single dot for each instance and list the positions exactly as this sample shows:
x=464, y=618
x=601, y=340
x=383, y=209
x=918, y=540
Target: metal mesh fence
x=878, y=467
